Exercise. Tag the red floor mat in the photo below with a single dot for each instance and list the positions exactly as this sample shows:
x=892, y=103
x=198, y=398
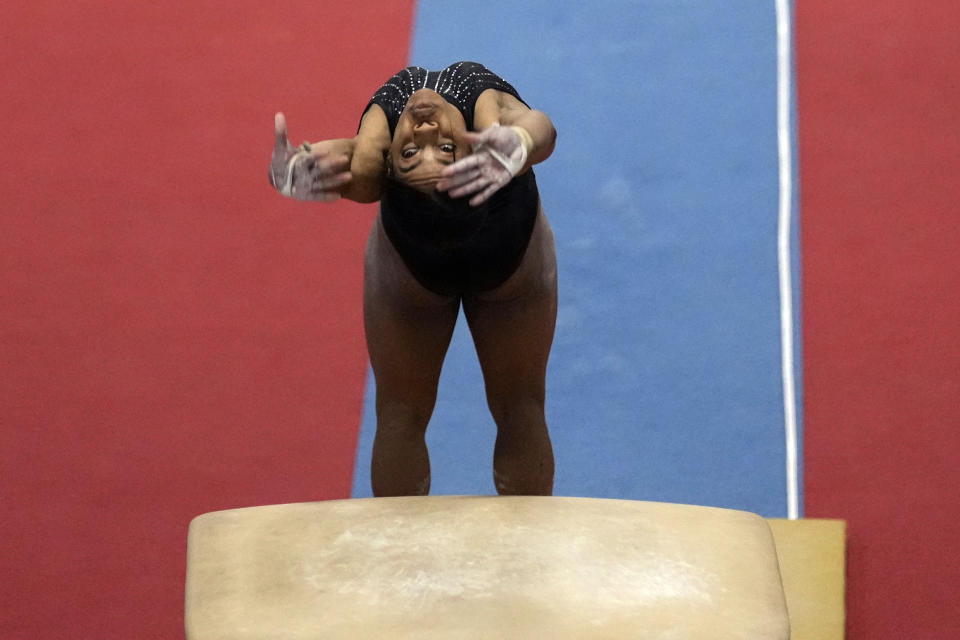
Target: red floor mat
x=880, y=152
x=176, y=338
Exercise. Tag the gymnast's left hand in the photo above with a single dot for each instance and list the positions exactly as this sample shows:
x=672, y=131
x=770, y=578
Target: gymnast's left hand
x=499, y=153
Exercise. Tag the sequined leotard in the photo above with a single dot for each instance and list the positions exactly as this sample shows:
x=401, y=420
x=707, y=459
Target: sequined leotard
x=457, y=254
x=460, y=84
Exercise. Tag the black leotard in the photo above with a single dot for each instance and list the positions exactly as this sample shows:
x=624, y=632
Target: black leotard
x=460, y=84
x=450, y=247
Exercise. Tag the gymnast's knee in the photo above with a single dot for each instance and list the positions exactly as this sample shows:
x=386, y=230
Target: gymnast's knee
x=400, y=417
x=516, y=413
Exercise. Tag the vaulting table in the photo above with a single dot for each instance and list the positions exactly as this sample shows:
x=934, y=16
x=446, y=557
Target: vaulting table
x=483, y=567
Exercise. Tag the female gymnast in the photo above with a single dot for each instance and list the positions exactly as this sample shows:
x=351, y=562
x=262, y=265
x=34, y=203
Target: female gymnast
x=448, y=156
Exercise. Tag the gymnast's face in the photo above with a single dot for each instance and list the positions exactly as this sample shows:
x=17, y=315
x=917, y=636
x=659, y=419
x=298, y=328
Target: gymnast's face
x=428, y=137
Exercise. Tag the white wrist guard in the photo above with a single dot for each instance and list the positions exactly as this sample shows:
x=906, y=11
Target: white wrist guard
x=526, y=141
x=287, y=187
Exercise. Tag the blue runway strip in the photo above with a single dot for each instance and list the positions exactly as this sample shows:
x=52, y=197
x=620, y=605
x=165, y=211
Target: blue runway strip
x=665, y=378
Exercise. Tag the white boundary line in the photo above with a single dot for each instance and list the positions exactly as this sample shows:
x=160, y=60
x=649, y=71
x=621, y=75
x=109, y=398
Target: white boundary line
x=783, y=252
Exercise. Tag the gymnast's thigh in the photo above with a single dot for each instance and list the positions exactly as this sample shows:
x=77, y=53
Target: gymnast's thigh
x=513, y=324
x=408, y=327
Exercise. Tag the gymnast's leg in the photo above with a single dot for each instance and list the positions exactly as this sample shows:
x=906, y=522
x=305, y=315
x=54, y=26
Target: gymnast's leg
x=408, y=330
x=512, y=328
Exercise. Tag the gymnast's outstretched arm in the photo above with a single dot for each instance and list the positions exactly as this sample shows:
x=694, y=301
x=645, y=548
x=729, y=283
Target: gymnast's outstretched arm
x=325, y=171
x=511, y=137
x=498, y=107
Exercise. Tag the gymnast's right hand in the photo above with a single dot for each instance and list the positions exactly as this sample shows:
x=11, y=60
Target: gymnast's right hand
x=308, y=172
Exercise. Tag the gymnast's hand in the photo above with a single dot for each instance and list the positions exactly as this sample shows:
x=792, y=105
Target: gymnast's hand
x=499, y=153
x=307, y=172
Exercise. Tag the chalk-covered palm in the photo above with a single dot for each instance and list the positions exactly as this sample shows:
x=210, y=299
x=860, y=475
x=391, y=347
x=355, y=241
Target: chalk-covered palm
x=499, y=153
x=307, y=172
